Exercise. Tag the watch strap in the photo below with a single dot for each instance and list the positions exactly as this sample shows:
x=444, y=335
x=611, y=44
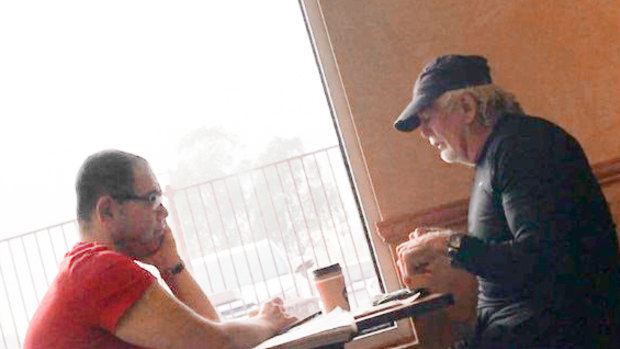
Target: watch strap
x=454, y=245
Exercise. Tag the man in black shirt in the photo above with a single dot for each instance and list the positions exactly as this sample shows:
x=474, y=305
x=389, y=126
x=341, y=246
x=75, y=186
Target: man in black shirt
x=540, y=238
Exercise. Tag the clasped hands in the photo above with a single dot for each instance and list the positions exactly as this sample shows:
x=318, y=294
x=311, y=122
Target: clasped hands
x=416, y=255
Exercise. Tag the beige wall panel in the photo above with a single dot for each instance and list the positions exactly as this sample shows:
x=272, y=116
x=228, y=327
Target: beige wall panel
x=561, y=59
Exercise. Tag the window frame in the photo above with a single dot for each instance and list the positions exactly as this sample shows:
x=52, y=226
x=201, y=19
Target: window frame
x=404, y=331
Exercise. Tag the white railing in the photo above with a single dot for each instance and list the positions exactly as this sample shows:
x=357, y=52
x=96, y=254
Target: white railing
x=245, y=237
x=28, y=263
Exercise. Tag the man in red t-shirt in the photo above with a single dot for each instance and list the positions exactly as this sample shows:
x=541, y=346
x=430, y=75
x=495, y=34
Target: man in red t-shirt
x=101, y=298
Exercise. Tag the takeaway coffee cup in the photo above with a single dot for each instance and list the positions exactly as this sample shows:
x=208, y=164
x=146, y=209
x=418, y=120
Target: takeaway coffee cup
x=329, y=282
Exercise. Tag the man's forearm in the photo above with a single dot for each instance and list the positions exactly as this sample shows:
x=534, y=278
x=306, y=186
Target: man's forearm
x=160, y=320
x=187, y=290
x=246, y=333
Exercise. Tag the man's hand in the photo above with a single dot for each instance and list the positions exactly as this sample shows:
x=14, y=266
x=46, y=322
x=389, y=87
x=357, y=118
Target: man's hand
x=415, y=256
x=274, y=315
x=166, y=256
x=418, y=232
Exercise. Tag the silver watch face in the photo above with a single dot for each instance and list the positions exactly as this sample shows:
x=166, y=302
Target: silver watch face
x=454, y=241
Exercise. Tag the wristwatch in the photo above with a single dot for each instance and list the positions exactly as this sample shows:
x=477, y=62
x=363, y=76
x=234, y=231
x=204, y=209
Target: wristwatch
x=454, y=243
x=176, y=269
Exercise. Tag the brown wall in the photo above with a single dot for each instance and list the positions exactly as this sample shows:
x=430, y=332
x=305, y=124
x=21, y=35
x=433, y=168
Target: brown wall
x=560, y=58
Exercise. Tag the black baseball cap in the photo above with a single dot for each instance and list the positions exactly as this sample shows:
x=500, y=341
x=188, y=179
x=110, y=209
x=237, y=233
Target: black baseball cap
x=444, y=73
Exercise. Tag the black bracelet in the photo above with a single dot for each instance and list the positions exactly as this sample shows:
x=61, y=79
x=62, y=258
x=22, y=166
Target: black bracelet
x=176, y=269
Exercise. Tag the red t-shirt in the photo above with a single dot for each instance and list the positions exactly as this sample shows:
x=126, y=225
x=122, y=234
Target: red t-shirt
x=92, y=290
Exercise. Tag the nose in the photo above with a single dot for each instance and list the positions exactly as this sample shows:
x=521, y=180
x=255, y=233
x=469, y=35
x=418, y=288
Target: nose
x=161, y=209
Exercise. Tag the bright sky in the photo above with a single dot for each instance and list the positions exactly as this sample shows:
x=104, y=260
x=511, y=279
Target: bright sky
x=80, y=76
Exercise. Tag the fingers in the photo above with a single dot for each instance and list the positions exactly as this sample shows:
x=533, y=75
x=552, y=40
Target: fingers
x=413, y=258
x=411, y=247
x=402, y=272
x=275, y=313
x=274, y=305
x=416, y=255
x=400, y=248
x=418, y=232
x=277, y=300
x=287, y=320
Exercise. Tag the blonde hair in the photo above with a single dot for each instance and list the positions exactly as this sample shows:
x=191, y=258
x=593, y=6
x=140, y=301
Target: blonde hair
x=492, y=102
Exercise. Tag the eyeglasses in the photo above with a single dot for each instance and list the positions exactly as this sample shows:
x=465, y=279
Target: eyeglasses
x=153, y=198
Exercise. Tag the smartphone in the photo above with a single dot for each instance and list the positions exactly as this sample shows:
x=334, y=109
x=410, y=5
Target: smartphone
x=400, y=294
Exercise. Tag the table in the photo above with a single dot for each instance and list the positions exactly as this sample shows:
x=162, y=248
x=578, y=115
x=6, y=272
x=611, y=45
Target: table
x=396, y=311
x=342, y=327
x=401, y=310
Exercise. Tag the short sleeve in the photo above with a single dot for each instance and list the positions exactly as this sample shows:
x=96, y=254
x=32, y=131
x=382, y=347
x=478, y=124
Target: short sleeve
x=113, y=283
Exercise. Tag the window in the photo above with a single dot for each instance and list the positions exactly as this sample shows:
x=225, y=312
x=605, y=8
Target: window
x=223, y=98
x=297, y=213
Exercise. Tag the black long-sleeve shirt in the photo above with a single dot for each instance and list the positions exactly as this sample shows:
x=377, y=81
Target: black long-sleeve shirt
x=540, y=232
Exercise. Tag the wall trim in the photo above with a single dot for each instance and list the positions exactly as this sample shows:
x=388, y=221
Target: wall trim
x=607, y=172
x=454, y=214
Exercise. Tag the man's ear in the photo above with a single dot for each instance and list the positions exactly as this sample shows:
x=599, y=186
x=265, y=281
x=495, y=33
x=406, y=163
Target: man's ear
x=104, y=208
x=469, y=105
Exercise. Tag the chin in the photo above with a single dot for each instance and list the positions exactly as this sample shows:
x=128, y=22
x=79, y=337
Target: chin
x=158, y=241
x=450, y=157
x=140, y=249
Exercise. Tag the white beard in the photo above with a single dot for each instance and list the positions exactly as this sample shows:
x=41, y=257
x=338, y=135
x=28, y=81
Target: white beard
x=449, y=156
